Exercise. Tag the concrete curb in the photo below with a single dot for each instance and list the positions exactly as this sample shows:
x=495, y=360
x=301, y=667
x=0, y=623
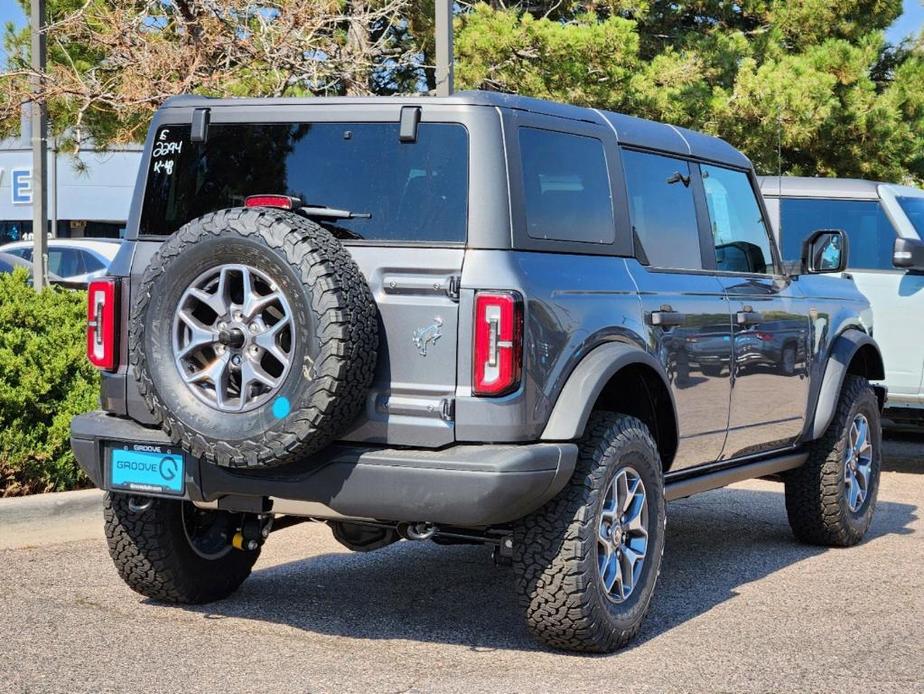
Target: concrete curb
x=49, y=518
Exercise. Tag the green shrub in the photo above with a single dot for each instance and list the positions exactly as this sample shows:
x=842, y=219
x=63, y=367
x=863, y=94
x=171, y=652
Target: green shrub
x=45, y=379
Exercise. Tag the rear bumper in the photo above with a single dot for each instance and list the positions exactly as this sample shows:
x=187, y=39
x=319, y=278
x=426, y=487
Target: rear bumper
x=467, y=486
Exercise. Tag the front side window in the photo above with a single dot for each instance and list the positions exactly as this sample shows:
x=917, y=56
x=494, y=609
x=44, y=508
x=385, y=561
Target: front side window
x=913, y=207
x=739, y=234
x=413, y=191
x=566, y=187
x=870, y=234
x=662, y=210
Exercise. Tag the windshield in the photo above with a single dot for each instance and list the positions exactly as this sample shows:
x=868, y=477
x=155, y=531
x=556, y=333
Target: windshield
x=914, y=208
x=414, y=191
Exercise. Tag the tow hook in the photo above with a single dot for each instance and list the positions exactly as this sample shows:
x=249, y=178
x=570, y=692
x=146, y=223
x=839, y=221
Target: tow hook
x=253, y=533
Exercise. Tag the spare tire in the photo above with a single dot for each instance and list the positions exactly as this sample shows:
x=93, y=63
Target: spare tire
x=253, y=337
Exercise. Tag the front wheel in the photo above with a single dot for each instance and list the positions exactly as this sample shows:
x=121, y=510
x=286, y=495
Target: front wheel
x=171, y=551
x=831, y=498
x=587, y=562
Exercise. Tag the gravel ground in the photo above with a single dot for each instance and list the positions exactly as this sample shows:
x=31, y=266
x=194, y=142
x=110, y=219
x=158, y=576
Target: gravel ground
x=740, y=606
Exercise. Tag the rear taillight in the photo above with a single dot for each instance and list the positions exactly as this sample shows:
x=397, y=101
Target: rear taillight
x=102, y=296
x=498, y=351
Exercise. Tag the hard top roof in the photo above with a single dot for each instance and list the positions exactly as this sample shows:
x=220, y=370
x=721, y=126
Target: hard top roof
x=819, y=187
x=628, y=129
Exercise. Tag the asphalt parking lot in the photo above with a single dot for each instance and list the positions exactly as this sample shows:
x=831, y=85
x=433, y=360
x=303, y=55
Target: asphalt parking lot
x=740, y=607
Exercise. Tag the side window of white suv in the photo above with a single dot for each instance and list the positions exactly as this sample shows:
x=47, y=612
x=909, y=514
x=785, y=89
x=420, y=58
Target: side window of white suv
x=870, y=234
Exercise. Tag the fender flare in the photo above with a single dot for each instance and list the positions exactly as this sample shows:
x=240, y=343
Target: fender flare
x=588, y=379
x=843, y=350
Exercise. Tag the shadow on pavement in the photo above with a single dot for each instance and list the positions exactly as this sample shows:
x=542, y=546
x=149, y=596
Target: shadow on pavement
x=903, y=452
x=423, y=592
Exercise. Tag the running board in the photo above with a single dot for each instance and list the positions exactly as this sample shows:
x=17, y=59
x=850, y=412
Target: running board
x=720, y=478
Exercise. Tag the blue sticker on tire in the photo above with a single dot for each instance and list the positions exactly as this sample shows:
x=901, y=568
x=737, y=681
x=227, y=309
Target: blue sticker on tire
x=147, y=468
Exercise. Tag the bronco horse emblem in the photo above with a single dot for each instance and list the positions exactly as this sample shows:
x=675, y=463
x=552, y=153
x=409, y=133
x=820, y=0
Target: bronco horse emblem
x=424, y=337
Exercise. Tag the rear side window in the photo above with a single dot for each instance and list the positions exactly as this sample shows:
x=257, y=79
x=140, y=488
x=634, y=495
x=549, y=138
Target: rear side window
x=566, y=187
x=91, y=263
x=869, y=232
x=414, y=191
x=662, y=210
x=65, y=262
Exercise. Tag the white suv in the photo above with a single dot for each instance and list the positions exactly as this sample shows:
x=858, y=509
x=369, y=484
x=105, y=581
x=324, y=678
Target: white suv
x=885, y=227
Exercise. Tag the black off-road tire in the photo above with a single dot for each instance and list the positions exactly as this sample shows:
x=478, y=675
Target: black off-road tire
x=788, y=358
x=334, y=318
x=555, y=549
x=816, y=502
x=152, y=554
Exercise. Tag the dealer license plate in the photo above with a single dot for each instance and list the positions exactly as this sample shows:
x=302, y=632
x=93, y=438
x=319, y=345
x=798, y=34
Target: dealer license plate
x=147, y=468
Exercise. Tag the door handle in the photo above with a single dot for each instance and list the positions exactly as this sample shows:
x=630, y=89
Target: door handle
x=666, y=317
x=748, y=317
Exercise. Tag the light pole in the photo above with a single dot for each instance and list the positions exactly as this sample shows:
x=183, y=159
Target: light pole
x=444, y=69
x=39, y=113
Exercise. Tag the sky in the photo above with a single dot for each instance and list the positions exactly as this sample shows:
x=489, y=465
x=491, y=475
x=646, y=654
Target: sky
x=911, y=21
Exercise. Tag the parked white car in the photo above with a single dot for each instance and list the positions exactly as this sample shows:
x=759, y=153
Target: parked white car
x=885, y=227
x=74, y=260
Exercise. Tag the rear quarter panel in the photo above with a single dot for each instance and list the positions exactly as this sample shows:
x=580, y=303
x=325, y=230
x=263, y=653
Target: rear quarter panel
x=573, y=303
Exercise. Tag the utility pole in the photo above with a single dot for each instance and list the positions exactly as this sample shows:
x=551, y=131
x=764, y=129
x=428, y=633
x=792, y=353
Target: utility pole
x=39, y=112
x=444, y=66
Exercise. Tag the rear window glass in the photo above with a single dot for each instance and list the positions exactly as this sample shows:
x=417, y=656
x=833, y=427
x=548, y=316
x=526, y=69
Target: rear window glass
x=414, y=191
x=869, y=232
x=566, y=187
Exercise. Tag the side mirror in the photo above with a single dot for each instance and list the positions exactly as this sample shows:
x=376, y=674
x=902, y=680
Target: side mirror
x=824, y=251
x=908, y=254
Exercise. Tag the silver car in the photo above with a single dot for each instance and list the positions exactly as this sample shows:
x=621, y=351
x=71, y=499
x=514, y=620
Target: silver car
x=75, y=260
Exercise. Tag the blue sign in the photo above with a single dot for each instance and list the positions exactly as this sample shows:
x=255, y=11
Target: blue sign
x=147, y=471
x=21, y=186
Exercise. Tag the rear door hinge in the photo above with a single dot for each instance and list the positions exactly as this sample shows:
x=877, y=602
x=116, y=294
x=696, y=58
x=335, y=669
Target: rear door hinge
x=453, y=287
x=448, y=409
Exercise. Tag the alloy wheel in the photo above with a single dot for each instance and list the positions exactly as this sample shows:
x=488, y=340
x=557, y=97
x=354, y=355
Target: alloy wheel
x=858, y=463
x=622, y=539
x=233, y=338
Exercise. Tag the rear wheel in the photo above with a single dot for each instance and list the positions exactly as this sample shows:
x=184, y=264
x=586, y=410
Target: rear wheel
x=172, y=551
x=830, y=499
x=586, y=563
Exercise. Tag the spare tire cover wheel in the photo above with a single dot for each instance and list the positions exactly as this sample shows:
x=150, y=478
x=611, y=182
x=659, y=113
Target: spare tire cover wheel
x=253, y=337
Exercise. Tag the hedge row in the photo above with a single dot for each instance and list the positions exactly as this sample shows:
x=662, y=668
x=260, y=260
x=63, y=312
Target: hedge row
x=45, y=379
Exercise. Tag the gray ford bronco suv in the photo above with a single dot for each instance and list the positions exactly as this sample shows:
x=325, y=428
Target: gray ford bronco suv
x=479, y=318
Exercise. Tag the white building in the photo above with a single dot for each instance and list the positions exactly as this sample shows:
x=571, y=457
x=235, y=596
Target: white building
x=91, y=198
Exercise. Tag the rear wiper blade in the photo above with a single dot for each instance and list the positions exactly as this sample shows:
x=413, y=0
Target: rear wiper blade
x=332, y=213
